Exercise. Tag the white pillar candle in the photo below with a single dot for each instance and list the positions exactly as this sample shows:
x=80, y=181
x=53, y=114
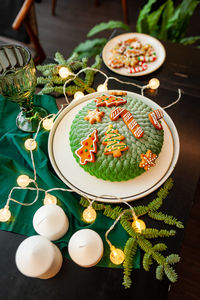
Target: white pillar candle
x=85, y=248
x=37, y=257
x=51, y=222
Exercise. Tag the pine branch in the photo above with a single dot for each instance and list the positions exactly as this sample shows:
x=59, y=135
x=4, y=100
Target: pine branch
x=159, y=216
x=147, y=261
x=159, y=247
x=151, y=252
x=141, y=210
x=97, y=206
x=42, y=80
x=170, y=273
x=129, y=251
x=112, y=213
x=172, y=259
x=89, y=90
x=127, y=226
x=59, y=58
x=159, y=272
x=152, y=233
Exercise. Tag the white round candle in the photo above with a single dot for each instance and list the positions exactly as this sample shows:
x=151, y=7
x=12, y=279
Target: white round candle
x=37, y=257
x=51, y=222
x=85, y=248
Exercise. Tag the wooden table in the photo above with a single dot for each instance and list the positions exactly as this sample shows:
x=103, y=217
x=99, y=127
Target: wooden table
x=180, y=70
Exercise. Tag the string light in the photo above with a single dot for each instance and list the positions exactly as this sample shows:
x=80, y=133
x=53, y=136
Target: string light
x=78, y=95
x=64, y=72
x=5, y=214
x=102, y=88
x=30, y=144
x=153, y=84
x=138, y=225
x=89, y=214
x=117, y=256
x=48, y=123
x=49, y=199
x=23, y=180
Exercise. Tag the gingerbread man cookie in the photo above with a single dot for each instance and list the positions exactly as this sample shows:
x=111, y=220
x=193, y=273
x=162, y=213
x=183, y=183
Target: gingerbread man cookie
x=147, y=160
x=94, y=116
x=128, y=119
x=109, y=101
x=88, y=148
x=154, y=116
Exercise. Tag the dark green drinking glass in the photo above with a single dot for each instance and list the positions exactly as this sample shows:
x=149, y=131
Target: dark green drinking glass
x=18, y=83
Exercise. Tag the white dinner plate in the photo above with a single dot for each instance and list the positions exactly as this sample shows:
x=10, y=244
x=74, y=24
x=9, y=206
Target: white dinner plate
x=83, y=183
x=144, y=39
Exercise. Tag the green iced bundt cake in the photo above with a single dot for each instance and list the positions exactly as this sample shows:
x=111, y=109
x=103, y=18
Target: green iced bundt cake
x=126, y=166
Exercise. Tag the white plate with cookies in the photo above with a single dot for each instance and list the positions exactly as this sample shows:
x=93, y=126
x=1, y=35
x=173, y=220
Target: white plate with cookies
x=69, y=171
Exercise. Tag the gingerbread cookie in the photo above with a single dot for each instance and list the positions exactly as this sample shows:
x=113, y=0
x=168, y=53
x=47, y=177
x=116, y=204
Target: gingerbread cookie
x=154, y=116
x=113, y=142
x=109, y=101
x=118, y=93
x=128, y=119
x=132, y=55
x=88, y=148
x=94, y=116
x=147, y=160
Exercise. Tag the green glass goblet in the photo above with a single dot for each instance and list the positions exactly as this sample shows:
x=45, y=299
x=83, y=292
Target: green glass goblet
x=17, y=84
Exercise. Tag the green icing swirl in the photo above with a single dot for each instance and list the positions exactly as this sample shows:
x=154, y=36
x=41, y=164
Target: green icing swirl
x=126, y=166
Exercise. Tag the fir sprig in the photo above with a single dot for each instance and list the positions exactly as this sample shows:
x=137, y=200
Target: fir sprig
x=141, y=240
x=53, y=83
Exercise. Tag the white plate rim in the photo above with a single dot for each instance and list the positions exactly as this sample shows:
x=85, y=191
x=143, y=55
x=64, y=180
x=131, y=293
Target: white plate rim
x=109, y=198
x=139, y=35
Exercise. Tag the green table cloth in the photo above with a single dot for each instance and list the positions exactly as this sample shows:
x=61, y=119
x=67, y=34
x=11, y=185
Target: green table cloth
x=15, y=160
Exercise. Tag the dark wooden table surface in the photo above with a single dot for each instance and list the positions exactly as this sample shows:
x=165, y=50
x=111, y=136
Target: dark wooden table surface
x=180, y=70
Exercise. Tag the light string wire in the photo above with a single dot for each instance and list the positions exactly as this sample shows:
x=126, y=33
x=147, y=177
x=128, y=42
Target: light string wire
x=112, y=227
x=142, y=87
x=54, y=117
x=119, y=217
x=101, y=72
x=176, y=101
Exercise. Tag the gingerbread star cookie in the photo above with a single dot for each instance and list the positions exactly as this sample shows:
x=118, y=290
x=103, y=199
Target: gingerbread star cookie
x=94, y=116
x=147, y=160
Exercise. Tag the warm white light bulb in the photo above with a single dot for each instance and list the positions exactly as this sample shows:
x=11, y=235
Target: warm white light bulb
x=49, y=199
x=23, y=180
x=5, y=214
x=116, y=255
x=30, y=144
x=48, y=123
x=102, y=88
x=78, y=95
x=138, y=225
x=154, y=83
x=89, y=214
x=64, y=72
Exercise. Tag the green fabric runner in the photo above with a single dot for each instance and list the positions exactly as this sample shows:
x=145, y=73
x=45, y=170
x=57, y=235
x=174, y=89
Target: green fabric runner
x=15, y=160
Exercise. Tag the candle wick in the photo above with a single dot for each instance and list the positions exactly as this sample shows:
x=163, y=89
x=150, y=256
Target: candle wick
x=82, y=246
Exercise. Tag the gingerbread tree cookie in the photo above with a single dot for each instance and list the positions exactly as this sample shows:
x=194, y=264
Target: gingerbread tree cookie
x=147, y=160
x=88, y=148
x=113, y=142
x=94, y=116
x=106, y=100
